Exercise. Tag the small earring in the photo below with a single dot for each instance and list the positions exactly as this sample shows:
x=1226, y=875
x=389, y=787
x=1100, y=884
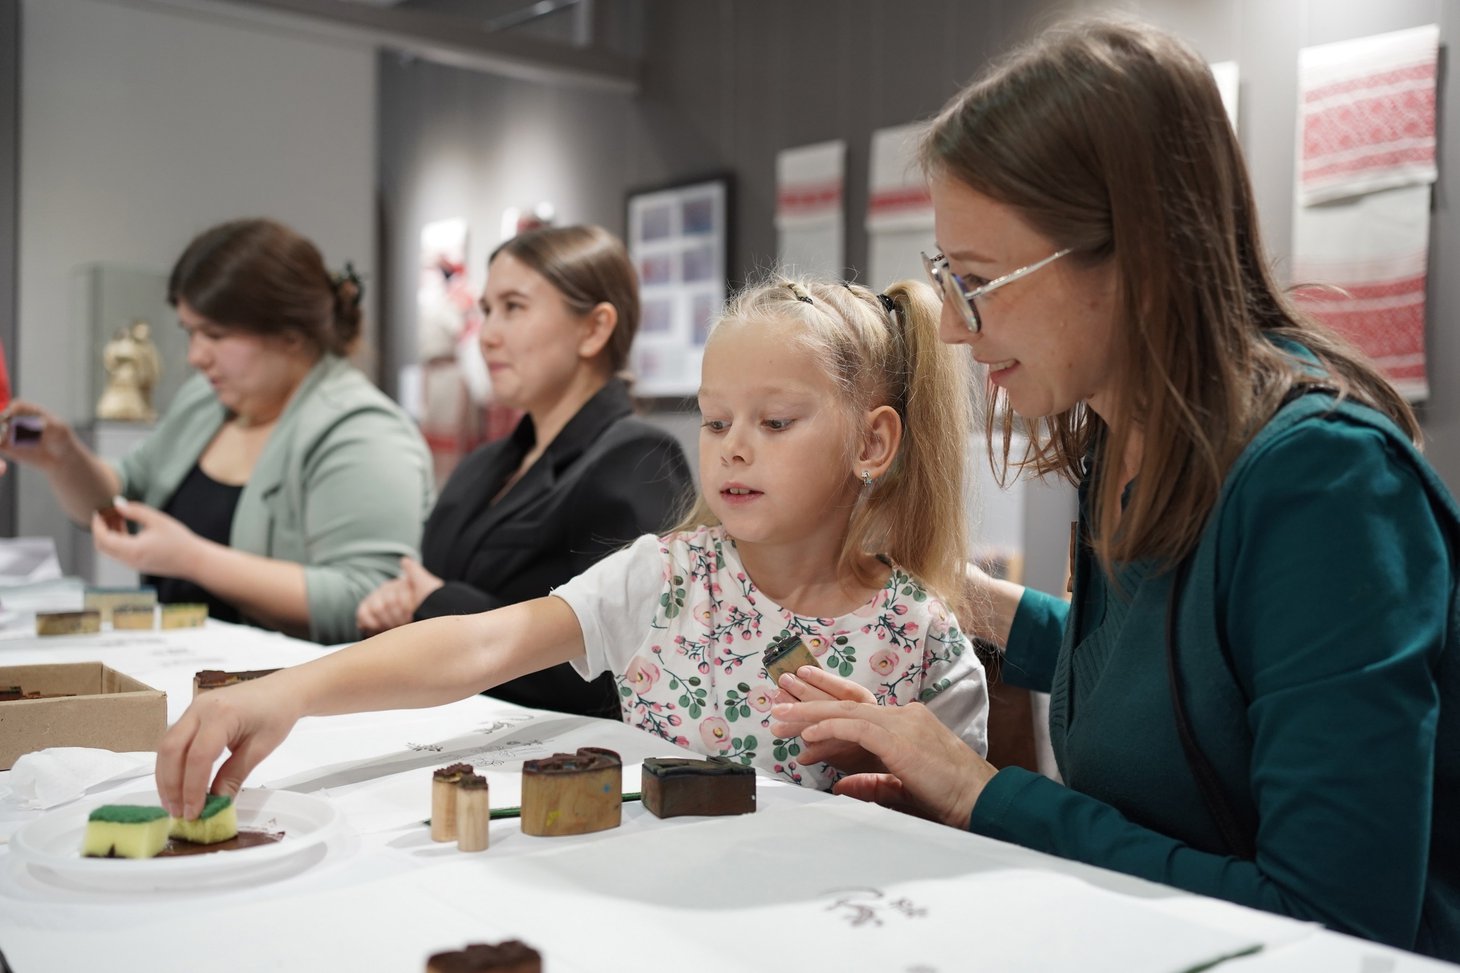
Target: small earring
x=867, y=479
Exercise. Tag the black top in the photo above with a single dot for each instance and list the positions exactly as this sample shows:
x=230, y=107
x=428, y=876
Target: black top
x=606, y=479
x=205, y=507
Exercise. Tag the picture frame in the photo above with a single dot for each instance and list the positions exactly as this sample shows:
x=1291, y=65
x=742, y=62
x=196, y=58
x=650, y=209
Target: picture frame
x=678, y=237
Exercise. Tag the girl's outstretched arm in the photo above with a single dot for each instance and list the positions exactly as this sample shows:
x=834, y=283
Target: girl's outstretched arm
x=424, y=664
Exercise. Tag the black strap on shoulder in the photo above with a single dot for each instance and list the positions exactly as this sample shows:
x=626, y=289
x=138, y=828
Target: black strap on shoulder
x=1239, y=842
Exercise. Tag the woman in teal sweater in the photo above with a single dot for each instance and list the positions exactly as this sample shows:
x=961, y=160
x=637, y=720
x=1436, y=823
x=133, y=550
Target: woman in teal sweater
x=1264, y=575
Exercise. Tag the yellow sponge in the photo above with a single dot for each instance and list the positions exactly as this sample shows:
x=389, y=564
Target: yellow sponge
x=218, y=822
x=125, y=831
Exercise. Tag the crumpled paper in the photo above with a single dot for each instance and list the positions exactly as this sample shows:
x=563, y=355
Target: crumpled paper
x=56, y=775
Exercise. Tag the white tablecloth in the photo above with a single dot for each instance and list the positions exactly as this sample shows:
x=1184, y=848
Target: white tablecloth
x=808, y=882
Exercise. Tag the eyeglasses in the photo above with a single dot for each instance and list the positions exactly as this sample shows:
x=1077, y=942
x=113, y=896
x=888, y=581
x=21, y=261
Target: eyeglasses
x=963, y=296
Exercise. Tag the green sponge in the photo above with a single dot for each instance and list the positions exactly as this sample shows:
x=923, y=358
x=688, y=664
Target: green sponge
x=218, y=822
x=125, y=831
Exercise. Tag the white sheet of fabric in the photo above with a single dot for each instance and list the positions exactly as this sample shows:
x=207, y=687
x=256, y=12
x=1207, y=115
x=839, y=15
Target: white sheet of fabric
x=46, y=778
x=1366, y=114
x=1375, y=247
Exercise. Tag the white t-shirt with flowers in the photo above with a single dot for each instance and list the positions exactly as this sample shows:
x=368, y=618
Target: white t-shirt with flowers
x=683, y=629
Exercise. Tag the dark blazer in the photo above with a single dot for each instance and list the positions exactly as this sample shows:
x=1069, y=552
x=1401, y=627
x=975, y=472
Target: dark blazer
x=606, y=479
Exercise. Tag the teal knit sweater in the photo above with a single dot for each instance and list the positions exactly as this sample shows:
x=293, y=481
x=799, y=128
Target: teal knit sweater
x=1317, y=648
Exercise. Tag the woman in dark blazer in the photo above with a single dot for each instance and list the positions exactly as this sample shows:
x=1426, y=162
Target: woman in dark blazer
x=580, y=476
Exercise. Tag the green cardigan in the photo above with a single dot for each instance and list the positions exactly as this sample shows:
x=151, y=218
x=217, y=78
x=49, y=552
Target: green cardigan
x=1317, y=651
x=342, y=486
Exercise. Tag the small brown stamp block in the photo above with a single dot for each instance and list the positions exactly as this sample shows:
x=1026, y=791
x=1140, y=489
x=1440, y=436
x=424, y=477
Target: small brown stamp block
x=675, y=786
x=443, y=800
x=184, y=615
x=511, y=956
x=473, y=812
x=108, y=600
x=206, y=679
x=572, y=793
x=67, y=623
x=134, y=618
x=787, y=653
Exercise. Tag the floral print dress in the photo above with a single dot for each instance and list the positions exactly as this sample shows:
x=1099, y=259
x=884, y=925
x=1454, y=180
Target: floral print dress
x=680, y=624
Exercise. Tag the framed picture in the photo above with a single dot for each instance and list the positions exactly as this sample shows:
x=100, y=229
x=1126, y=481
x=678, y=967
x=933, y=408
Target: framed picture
x=679, y=240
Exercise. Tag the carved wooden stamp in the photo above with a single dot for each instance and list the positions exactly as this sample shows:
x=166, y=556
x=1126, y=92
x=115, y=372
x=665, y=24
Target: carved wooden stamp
x=443, y=800
x=787, y=654
x=108, y=600
x=473, y=811
x=67, y=623
x=133, y=618
x=206, y=679
x=681, y=785
x=511, y=956
x=184, y=615
x=572, y=793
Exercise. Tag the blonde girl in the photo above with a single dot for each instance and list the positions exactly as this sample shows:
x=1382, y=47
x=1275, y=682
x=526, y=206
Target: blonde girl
x=831, y=459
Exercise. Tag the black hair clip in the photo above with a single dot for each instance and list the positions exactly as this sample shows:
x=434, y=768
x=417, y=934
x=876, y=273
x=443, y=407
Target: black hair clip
x=348, y=275
x=888, y=303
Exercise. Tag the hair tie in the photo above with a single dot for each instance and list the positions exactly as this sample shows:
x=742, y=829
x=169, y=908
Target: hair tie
x=888, y=303
x=798, y=292
x=345, y=276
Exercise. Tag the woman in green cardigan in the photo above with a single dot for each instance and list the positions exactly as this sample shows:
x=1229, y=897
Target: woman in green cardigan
x=281, y=486
x=1254, y=688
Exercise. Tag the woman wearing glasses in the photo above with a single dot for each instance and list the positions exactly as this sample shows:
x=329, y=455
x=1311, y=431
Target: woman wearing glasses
x=1254, y=687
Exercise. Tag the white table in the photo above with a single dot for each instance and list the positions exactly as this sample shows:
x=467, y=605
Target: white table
x=809, y=882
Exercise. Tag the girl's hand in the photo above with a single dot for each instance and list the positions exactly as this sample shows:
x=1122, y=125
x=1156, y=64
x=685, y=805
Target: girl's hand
x=808, y=684
x=249, y=720
x=423, y=582
x=929, y=770
x=389, y=606
x=163, y=546
x=56, y=443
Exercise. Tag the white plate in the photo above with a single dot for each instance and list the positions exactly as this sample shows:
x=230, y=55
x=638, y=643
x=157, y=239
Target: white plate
x=51, y=844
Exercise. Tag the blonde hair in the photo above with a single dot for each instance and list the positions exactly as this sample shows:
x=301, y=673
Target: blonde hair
x=875, y=357
x=1109, y=137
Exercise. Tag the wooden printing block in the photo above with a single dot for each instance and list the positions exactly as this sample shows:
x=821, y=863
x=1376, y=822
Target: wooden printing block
x=134, y=618
x=113, y=518
x=443, y=800
x=680, y=785
x=787, y=653
x=108, y=600
x=473, y=813
x=512, y=956
x=67, y=623
x=184, y=615
x=572, y=793
x=206, y=679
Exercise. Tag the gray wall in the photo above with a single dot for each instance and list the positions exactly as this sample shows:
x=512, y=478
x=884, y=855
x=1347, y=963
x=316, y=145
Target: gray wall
x=728, y=83
x=9, y=226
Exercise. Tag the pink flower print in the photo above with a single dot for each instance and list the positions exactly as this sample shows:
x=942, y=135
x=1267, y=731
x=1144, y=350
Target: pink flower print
x=818, y=644
x=883, y=662
x=760, y=699
x=715, y=732
x=641, y=674
x=899, y=609
x=705, y=614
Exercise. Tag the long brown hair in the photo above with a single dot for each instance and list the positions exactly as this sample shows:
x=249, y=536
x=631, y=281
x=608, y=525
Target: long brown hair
x=262, y=277
x=1109, y=137
x=875, y=356
x=588, y=266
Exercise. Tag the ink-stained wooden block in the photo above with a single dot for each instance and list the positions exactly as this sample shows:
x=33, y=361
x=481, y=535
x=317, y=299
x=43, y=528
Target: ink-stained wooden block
x=108, y=600
x=572, y=793
x=113, y=518
x=67, y=623
x=787, y=654
x=673, y=786
x=473, y=812
x=512, y=956
x=206, y=679
x=443, y=800
x=134, y=618
x=184, y=615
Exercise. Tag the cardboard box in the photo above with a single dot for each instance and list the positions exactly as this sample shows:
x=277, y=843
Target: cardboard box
x=109, y=710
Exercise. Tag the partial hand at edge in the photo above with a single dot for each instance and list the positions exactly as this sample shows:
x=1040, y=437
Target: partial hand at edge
x=930, y=771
